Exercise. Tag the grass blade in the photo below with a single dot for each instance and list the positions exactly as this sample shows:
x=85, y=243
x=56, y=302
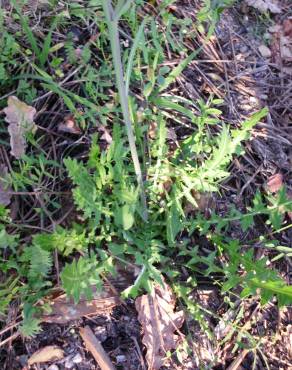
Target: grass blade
x=178, y=70
x=133, y=53
x=117, y=60
x=47, y=44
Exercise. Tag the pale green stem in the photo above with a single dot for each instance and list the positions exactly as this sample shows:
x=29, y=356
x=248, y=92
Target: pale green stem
x=112, y=22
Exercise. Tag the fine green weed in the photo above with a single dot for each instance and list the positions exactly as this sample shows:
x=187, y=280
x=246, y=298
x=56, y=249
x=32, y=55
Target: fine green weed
x=113, y=186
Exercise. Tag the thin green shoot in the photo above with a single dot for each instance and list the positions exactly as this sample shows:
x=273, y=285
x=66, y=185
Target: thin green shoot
x=112, y=23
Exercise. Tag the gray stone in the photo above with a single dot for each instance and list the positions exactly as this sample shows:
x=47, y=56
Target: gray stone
x=77, y=359
x=265, y=51
x=120, y=359
x=53, y=367
x=69, y=364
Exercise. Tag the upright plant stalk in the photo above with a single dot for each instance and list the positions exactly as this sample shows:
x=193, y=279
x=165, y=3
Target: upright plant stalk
x=112, y=23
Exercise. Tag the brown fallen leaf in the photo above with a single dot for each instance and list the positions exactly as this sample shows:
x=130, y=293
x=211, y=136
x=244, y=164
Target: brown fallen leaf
x=205, y=203
x=152, y=130
x=286, y=40
x=281, y=45
x=20, y=117
x=265, y=5
x=105, y=134
x=5, y=197
x=69, y=125
x=46, y=354
x=275, y=183
x=159, y=322
x=287, y=27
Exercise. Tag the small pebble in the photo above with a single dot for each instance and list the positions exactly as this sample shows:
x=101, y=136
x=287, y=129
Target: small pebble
x=77, y=359
x=265, y=51
x=23, y=360
x=244, y=49
x=120, y=359
x=253, y=99
x=263, y=97
x=267, y=36
x=69, y=364
x=101, y=333
x=53, y=367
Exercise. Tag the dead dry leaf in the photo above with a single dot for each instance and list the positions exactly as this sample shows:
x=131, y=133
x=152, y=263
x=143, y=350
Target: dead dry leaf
x=20, y=117
x=159, y=322
x=281, y=44
x=69, y=125
x=5, y=196
x=46, y=354
x=287, y=27
x=152, y=130
x=286, y=48
x=265, y=5
x=275, y=183
x=105, y=134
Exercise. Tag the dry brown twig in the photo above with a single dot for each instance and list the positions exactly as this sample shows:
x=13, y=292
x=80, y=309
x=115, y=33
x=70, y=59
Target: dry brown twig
x=95, y=348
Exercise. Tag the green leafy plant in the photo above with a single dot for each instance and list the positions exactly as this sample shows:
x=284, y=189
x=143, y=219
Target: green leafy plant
x=210, y=13
x=170, y=173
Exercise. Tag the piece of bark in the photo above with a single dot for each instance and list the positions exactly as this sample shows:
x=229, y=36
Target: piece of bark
x=64, y=310
x=95, y=348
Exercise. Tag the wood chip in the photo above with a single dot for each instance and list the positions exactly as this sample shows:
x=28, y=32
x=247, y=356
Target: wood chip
x=46, y=354
x=93, y=345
